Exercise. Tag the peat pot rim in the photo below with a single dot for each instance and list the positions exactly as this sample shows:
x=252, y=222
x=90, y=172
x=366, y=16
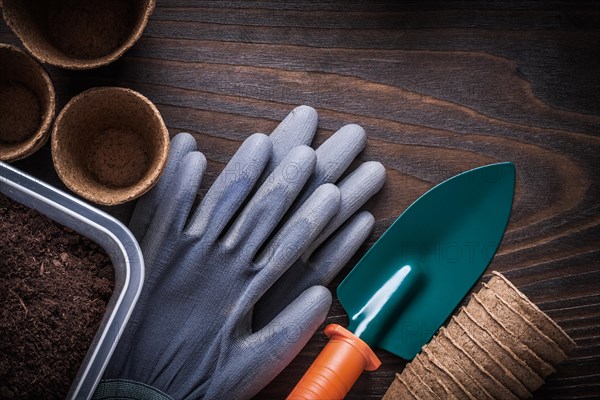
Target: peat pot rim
x=74, y=175
x=41, y=53
x=47, y=105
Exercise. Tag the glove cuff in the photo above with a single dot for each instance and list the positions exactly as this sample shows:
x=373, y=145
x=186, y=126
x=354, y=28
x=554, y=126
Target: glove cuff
x=123, y=389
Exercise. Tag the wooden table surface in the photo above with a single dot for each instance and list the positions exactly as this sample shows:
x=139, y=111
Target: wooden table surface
x=439, y=88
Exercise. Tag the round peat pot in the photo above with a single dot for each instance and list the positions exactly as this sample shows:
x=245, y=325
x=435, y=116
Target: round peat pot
x=27, y=104
x=77, y=34
x=109, y=145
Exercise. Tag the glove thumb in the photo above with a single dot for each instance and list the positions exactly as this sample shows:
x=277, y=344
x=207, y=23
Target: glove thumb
x=269, y=350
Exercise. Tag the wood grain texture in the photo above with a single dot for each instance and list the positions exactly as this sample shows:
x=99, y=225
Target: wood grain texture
x=439, y=88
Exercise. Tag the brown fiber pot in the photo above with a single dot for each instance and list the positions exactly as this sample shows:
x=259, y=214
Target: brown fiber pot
x=27, y=104
x=109, y=145
x=77, y=34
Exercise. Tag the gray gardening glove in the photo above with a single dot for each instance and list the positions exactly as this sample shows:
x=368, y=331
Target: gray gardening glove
x=346, y=231
x=191, y=333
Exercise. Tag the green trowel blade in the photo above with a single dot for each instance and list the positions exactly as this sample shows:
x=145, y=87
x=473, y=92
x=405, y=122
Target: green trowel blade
x=415, y=275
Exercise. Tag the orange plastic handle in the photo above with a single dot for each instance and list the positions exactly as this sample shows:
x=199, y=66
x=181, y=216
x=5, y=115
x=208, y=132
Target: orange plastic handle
x=337, y=367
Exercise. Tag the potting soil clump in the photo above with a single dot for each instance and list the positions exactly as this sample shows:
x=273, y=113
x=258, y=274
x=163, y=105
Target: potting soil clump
x=54, y=288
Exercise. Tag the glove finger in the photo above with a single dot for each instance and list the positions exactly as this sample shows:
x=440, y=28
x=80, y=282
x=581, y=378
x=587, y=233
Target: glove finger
x=172, y=212
x=145, y=207
x=297, y=234
x=340, y=248
x=356, y=189
x=334, y=156
x=264, y=210
x=277, y=344
x=297, y=129
x=231, y=187
x=319, y=270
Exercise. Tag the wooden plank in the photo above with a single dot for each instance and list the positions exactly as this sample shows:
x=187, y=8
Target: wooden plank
x=440, y=87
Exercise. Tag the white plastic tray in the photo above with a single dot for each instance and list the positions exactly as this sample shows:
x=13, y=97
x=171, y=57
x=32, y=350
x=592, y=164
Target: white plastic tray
x=119, y=244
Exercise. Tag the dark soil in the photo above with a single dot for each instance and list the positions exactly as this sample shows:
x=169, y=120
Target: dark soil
x=54, y=287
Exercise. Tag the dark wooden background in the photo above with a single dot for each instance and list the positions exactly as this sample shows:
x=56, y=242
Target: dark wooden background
x=439, y=88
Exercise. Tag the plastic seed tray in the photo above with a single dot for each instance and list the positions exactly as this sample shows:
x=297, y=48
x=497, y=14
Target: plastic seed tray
x=118, y=243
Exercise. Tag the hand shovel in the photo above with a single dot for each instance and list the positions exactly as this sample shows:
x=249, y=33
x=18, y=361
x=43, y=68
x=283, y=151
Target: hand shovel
x=413, y=277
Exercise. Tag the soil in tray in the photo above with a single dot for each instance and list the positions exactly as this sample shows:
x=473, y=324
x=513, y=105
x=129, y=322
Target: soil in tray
x=54, y=288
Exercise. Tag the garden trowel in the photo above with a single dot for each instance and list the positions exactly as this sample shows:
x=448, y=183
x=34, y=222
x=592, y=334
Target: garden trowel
x=413, y=277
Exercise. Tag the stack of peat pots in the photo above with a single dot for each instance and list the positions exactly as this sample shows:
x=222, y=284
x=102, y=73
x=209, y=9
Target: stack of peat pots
x=499, y=346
